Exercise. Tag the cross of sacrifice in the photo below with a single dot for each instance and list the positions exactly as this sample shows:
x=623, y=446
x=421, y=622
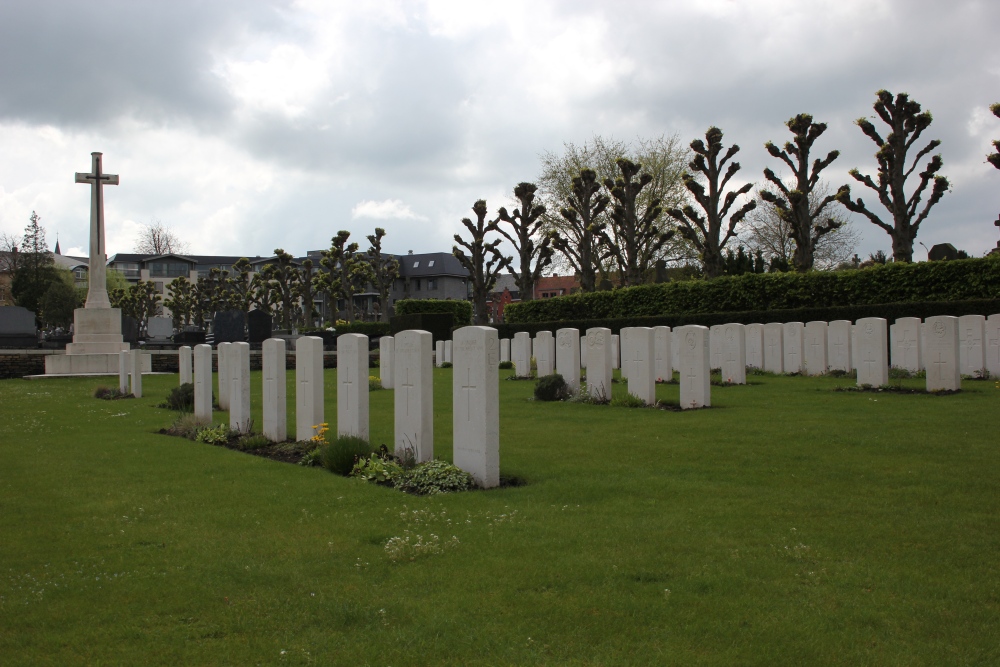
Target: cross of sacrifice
x=407, y=386
x=97, y=294
x=469, y=388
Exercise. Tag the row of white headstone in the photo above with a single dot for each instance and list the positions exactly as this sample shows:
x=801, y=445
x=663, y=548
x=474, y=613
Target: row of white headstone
x=406, y=364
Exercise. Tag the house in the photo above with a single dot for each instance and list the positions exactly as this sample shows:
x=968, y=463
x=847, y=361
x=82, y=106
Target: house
x=556, y=285
x=504, y=292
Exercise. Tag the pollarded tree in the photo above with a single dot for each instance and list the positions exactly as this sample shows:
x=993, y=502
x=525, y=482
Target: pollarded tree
x=705, y=232
x=235, y=290
x=282, y=276
x=385, y=270
x=526, y=222
x=345, y=271
x=637, y=236
x=307, y=292
x=906, y=123
x=181, y=301
x=579, y=237
x=806, y=218
x=484, y=261
x=994, y=158
x=209, y=294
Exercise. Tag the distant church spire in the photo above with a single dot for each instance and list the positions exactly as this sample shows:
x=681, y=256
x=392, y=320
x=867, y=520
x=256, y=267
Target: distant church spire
x=57, y=244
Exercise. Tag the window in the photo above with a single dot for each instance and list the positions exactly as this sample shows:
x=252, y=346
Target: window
x=169, y=269
x=416, y=265
x=416, y=284
x=430, y=263
x=128, y=269
x=432, y=283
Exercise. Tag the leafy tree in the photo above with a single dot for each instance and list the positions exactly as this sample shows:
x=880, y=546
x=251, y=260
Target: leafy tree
x=345, y=271
x=705, y=232
x=994, y=158
x=740, y=262
x=157, y=239
x=906, y=123
x=484, y=261
x=235, y=287
x=638, y=238
x=209, y=294
x=181, y=301
x=139, y=301
x=282, y=275
x=34, y=269
x=60, y=300
x=307, y=292
x=385, y=270
x=805, y=217
x=526, y=225
x=579, y=238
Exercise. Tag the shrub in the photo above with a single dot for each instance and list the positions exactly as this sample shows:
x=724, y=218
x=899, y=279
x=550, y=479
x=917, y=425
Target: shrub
x=628, y=401
x=186, y=426
x=461, y=311
x=506, y=365
x=109, y=393
x=374, y=383
x=181, y=398
x=252, y=441
x=370, y=329
x=214, y=435
x=340, y=455
x=311, y=458
x=434, y=477
x=552, y=388
x=377, y=469
x=446, y=364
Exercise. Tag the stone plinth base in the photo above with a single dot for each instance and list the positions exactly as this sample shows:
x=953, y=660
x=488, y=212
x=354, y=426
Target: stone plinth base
x=97, y=331
x=89, y=364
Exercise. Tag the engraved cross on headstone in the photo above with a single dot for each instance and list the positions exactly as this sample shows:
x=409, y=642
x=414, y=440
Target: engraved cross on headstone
x=97, y=294
x=938, y=373
x=407, y=387
x=469, y=388
x=349, y=384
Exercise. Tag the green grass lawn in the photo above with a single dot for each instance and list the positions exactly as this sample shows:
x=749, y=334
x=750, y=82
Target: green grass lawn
x=789, y=524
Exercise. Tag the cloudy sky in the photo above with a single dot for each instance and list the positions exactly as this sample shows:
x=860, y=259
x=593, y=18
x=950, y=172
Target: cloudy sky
x=250, y=125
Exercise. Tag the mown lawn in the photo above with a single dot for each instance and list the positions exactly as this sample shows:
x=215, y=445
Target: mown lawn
x=790, y=524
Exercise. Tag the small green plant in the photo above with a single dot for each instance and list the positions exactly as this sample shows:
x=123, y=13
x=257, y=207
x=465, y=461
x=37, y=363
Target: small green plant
x=213, y=435
x=110, y=393
x=377, y=469
x=251, y=441
x=446, y=364
x=410, y=547
x=311, y=458
x=374, y=383
x=628, y=401
x=186, y=426
x=506, y=365
x=432, y=477
x=340, y=455
x=552, y=388
x=180, y=398
x=584, y=396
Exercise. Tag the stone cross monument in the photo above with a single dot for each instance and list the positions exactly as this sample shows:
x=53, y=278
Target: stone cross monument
x=97, y=295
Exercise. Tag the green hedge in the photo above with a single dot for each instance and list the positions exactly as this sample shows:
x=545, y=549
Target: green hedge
x=957, y=280
x=439, y=324
x=460, y=310
x=370, y=329
x=889, y=311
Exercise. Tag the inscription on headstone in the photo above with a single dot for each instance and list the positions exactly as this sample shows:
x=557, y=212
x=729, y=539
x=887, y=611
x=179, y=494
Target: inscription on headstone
x=942, y=354
x=599, y=363
x=695, y=361
x=308, y=386
x=873, y=366
x=734, y=346
x=641, y=350
x=476, y=404
x=568, y=357
x=838, y=345
x=414, y=395
x=816, y=348
x=352, y=385
x=755, y=345
x=971, y=332
x=774, y=353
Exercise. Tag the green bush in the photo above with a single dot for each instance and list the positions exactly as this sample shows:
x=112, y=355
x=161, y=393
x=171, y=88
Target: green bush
x=252, y=441
x=460, y=310
x=438, y=324
x=186, y=426
x=628, y=401
x=109, y=393
x=434, y=477
x=893, y=283
x=506, y=365
x=181, y=398
x=340, y=455
x=551, y=388
x=214, y=435
x=370, y=329
x=377, y=469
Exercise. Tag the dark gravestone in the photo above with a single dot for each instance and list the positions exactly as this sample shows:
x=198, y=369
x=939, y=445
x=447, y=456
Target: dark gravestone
x=191, y=336
x=258, y=326
x=230, y=326
x=942, y=251
x=17, y=327
x=130, y=330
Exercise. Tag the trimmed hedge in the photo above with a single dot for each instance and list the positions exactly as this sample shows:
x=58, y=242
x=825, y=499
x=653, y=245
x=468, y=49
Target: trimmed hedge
x=370, y=329
x=439, y=324
x=894, y=283
x=889, y=311
x=461, y=310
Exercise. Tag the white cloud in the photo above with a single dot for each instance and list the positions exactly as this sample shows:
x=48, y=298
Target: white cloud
x=387, y=209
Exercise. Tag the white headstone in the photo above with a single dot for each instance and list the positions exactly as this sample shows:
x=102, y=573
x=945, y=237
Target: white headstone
x=715, y=346
x=275, y=401
x=599, y=363
x=873, y=365
x=520, y=352
x=239, y=387
x=448, y=345
x=942, y=354
x=641, y=354
x=568, y=357
x=616, y=354
x=971, y=332
x=222, y=364
x=203, y=382
x=352, y=385
x=816, y=348
x=583, y=352
x=905, y=351
x=675, y=351
x=414, y=398
x=793, y=343
x=733, y=343
x=308, y=386
x=439, y=353
x=184, y=361
x=625, y=353
x=663, y=367
x=476, y=404
x=855, y=350
x=135, y=368
x=545, y=360
x=386, y=345
x=993, y=345
x=695, y=368
x=504, y=349
x=124, y=368
x=838, y=346
x=774, y=353
x=755, y=345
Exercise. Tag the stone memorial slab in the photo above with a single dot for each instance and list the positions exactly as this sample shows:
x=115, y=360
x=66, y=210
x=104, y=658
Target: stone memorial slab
x=159, y=329
x=838, y=346
x=854, y=346
x=695, y=368
x=616, y=351
x=17, y=328
x=130, y=330
x=352, y=385
x=793, y=344
x=258, y=326
x=873, y=363
x=135, y=371
x=448, y=352
x=734, y=349
x=663, y=367
x=942, y=349
x=476, y=404
x=545, y=353
x=308, y=386
x=971, y=333
x=414, y=397
x=229, y=326
x=774, y=352
x=583, y=353
x=816, y=348
x=641, y=354
x=905, y=350
x=239, y=387
x=520, y=352
x=275, y=400
x=715, y=345
x=504, y=349
x=203, y=382
x=185, y=364
x=124, y=368
x=439, y=353
x=568, y=357
x=993, y=345
x=599, y=363
x=754, y=334
x=624, y=352
x=224, y=378
x=386, y=361
x=675, y=351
